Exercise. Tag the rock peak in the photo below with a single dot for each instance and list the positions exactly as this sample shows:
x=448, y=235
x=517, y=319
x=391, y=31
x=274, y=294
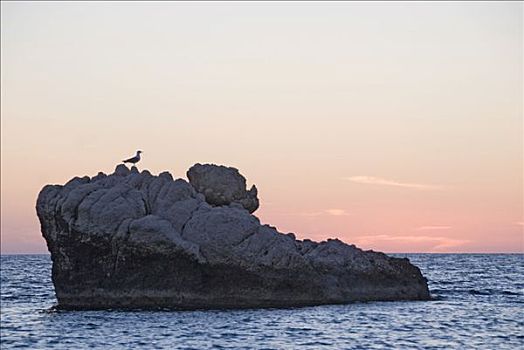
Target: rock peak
x=222, y=185
x=121, y=170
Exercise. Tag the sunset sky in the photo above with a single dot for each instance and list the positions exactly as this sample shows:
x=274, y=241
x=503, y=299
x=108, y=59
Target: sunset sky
x=394, y=126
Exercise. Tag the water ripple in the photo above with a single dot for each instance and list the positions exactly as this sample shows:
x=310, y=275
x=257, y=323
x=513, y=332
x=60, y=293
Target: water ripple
x=478, y=304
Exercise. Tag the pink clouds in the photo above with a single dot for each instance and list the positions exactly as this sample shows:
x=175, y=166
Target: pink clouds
x=371, y=180
x=410, y=243
x=434, y=227
x=324, y=212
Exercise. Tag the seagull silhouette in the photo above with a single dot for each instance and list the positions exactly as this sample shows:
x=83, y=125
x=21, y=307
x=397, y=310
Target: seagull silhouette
x=133, y=160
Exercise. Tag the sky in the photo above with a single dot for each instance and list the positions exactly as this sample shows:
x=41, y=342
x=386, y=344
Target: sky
x=394, y=126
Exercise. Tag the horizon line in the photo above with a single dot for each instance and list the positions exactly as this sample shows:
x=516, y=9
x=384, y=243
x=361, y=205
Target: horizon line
x=434, y=253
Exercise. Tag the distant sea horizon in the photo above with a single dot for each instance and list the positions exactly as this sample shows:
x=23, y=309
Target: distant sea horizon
x=391, y=253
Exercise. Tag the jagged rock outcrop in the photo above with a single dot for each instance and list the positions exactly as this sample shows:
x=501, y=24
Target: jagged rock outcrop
x=222, y=186
x=135, y=240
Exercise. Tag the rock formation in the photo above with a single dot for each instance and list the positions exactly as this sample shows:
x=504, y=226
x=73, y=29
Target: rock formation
x=222, y=186
x=135, y=240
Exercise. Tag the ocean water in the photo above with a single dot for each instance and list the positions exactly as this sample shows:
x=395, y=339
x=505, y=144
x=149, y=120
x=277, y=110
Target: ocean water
x=479, y=304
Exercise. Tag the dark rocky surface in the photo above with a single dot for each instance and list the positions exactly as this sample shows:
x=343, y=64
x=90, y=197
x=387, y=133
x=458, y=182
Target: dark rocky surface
x=222, y=186
x=135, y=240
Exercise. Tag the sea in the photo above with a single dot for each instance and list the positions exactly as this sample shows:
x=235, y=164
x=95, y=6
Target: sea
x=478, y=303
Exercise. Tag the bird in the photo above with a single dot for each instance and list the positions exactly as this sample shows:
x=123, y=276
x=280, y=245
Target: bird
x=133, y=160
